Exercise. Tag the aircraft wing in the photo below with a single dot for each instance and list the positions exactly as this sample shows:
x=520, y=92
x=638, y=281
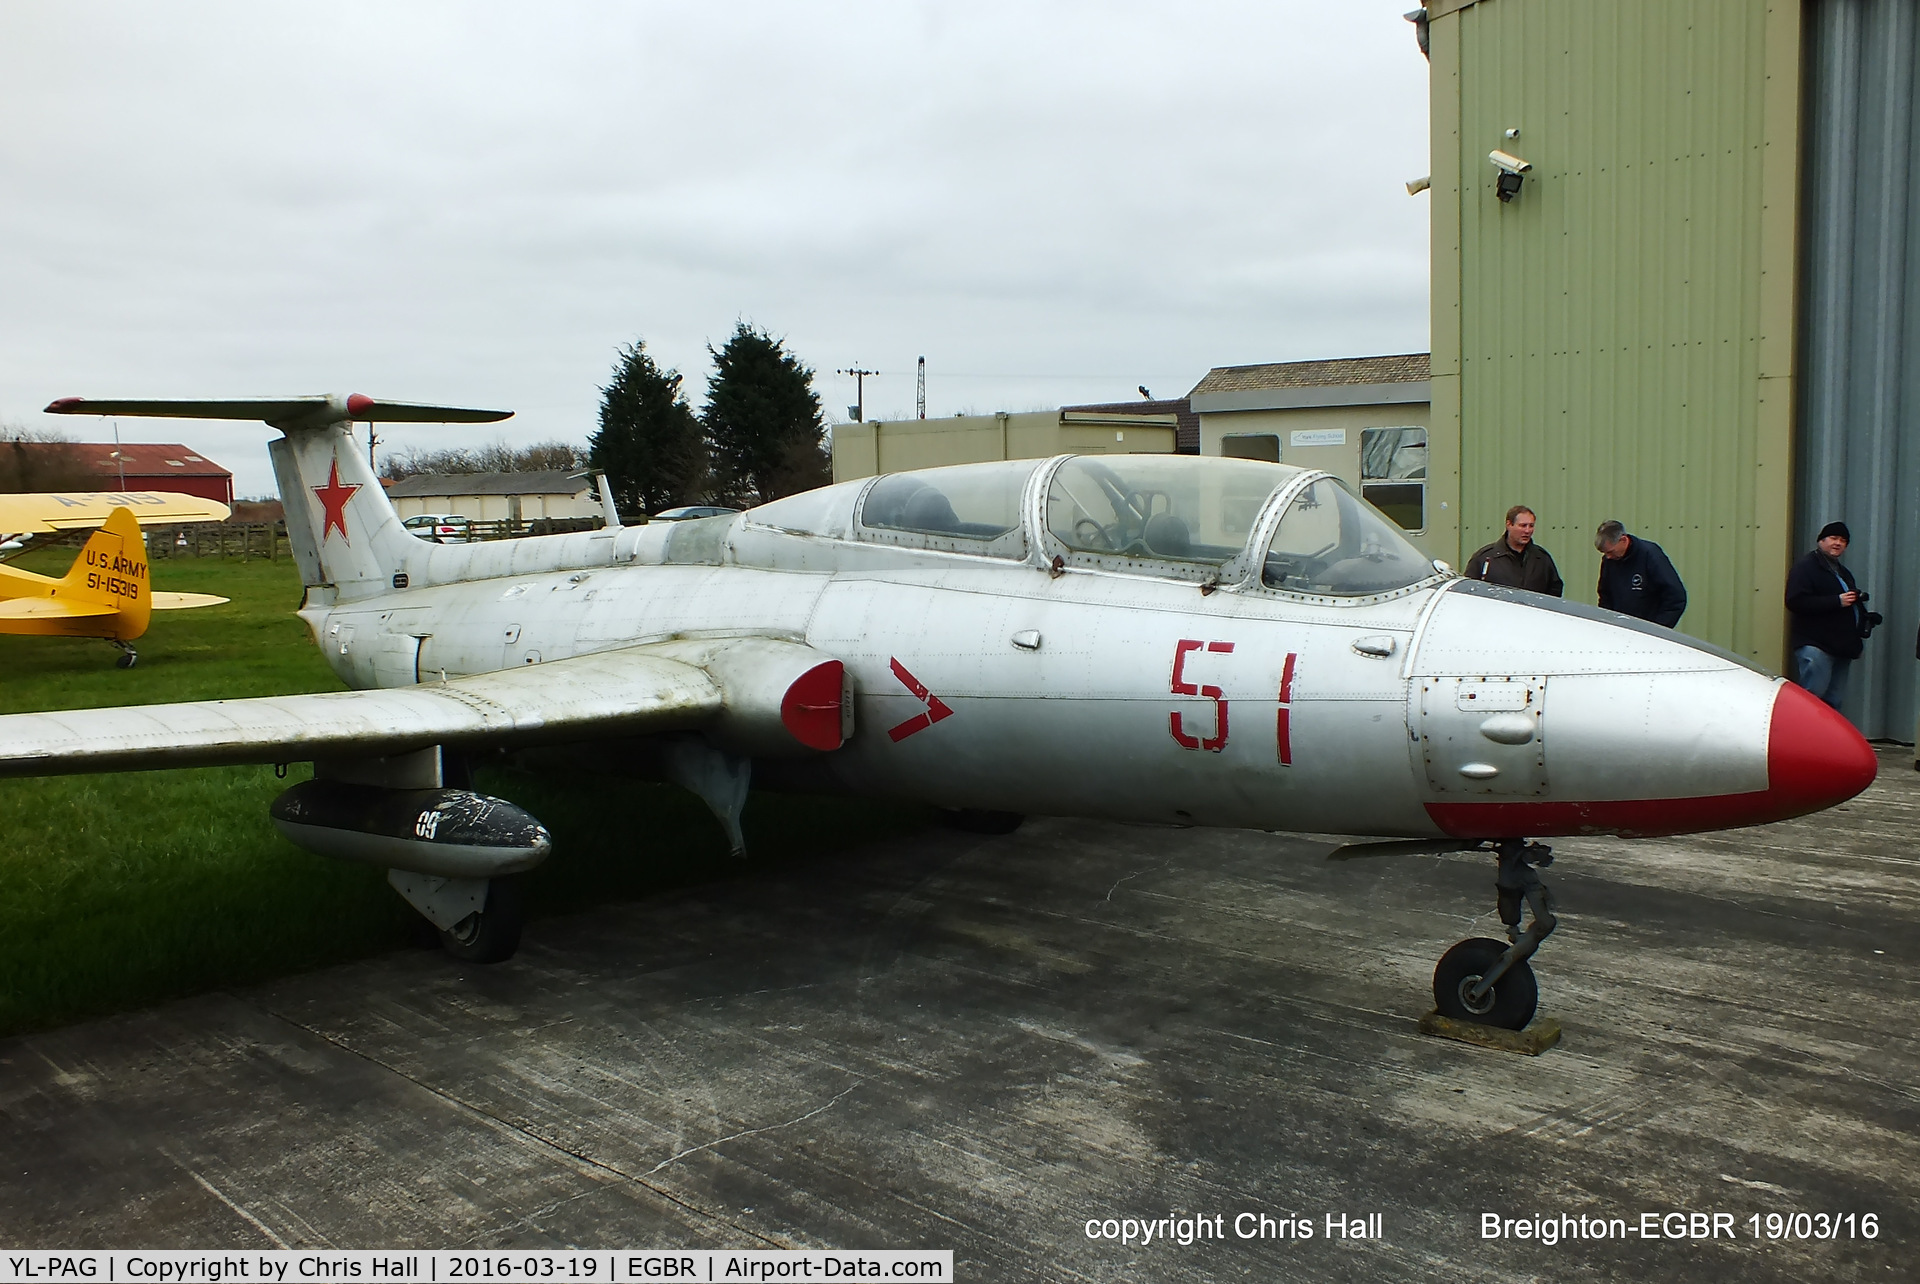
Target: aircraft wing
x=51, y=608
x=624, y=692
x=66, y=511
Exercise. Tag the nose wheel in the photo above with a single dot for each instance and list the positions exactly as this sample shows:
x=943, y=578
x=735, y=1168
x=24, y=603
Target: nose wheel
x=1483, y=981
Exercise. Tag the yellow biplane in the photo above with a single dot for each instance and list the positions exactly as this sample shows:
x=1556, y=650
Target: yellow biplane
x=106, y=593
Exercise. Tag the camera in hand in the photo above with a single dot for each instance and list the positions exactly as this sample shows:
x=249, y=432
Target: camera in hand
x=1869, y=620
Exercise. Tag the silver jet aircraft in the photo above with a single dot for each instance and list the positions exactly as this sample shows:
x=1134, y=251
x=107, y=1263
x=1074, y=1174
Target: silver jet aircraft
x=1187, y=641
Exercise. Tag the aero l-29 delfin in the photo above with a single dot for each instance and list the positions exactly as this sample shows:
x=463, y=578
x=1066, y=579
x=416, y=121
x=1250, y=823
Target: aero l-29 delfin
x=1190, y=641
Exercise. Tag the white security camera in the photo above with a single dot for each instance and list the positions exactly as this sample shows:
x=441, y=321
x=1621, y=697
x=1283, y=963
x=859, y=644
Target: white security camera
x=1513, y=172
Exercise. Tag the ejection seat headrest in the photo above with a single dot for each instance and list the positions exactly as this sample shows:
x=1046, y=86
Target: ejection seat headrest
x=1166, y=536
x=929, y=510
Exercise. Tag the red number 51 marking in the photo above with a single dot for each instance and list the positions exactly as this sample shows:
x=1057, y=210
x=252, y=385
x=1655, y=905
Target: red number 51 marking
x=1218, y=740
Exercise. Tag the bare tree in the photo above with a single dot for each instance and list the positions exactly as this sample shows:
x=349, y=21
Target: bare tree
x=495, y=457
x=42, y=459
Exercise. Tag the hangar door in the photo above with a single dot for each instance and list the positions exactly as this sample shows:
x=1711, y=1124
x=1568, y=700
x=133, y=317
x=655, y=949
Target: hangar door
x=1859, y=414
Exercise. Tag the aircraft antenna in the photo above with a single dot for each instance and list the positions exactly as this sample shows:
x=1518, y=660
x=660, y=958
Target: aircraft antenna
x=920, y=391
x=859, y=406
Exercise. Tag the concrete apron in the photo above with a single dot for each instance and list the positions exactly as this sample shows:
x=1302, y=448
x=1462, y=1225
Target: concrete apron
x=982, y=1043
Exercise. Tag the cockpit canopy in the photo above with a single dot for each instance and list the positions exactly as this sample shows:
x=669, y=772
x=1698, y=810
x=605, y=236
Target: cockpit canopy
x=1332, y=543
x=978, y=502
x=1160, y=507
x=1161, y=515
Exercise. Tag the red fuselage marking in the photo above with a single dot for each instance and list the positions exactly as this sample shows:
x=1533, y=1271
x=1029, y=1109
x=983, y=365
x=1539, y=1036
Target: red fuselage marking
x=1283, y=721
x=333, y=499
x=1180, y=686
x=936, y=708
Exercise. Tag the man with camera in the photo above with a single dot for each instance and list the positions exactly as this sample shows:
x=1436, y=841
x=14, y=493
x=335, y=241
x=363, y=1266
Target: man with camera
x=1830, y=616
x=1637, y=578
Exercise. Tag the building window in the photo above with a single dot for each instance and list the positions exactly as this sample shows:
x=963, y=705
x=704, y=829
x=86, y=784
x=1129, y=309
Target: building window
x=1251, y=445
x=1393, y=473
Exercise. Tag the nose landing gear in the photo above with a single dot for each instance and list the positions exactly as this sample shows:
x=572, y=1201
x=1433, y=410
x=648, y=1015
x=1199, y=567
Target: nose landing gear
x=1485, y=982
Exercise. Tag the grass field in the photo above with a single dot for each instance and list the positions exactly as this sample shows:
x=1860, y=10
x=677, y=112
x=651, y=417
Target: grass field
x=120, y=890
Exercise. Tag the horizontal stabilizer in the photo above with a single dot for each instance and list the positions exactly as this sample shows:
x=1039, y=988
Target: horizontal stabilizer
x=612, y=693
x=185, y=601
x=286, y=412
x=67, y=511
x=51, y=608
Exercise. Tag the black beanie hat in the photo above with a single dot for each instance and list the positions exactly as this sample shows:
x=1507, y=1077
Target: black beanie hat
x=1836, y=528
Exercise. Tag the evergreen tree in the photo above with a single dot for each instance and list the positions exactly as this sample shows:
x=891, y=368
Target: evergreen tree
x=763, y=421
x=649, y=443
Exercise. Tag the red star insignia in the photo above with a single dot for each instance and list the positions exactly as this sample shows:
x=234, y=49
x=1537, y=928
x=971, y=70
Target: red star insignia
x=333, y=497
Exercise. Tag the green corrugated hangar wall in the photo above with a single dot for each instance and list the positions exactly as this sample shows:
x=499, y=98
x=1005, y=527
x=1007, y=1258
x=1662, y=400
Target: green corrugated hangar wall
x=1618, y=340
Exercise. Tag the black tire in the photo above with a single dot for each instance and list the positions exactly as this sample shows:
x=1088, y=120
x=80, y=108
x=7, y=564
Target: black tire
x=492, y=934
x=126, y=661
x=974, y=821
x=1510, y=1004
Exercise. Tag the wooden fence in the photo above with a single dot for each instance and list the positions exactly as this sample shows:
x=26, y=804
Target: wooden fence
x=244, y=540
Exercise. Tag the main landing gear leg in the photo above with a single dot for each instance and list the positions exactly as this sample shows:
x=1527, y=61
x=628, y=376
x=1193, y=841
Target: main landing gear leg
x=1483, y=981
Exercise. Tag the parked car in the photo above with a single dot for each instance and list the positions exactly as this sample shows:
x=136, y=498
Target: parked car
x=439, y=528
x=692, y=510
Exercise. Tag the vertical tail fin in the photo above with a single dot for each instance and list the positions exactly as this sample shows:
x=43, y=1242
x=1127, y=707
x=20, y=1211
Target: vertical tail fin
x=340, y=522
x=343, y=531
x=112, y=571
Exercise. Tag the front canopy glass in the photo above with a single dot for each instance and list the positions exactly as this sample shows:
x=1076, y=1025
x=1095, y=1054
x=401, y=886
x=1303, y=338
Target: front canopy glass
x=1161, y=507
x=1331, y=544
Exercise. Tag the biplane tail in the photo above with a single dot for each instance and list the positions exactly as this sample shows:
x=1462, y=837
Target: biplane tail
x=344, y=532
x=106, y=593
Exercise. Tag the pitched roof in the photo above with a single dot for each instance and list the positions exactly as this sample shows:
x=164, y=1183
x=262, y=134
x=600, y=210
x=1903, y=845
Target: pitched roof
x=545, y=481
x=140, y=458
x=1410, y=367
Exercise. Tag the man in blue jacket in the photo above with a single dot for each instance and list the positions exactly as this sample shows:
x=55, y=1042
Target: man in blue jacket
x=1636, y=578
x=1825, y=603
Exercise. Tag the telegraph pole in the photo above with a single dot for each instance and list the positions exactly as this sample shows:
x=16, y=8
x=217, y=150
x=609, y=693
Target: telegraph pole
x=859, y=406
x=920, y=392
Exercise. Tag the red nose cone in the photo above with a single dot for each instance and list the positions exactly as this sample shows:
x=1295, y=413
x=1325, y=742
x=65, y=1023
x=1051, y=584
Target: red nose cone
x=1815, y=758
x=359, y=403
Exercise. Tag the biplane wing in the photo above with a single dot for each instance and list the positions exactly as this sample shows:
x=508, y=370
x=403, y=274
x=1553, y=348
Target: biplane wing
x=50, y=511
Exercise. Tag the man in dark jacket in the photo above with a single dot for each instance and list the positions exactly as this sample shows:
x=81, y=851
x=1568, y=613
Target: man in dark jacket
x=1515, y=560
x=1637, y=579
x=1824, y=601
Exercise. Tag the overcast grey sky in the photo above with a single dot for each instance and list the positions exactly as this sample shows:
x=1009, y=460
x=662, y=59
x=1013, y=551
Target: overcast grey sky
x=476, y=203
